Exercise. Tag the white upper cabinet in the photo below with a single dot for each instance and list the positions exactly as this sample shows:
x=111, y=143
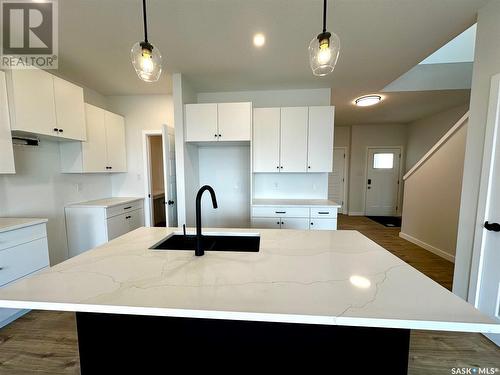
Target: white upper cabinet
x=104, y=150
x=266, y=139
x=115, y=142
x=41, y=103
x=293, y=153
x=234, y=121
x=201, y=122
x=218, y=122
x=320, y=139
x=6, y=152
x=70, y=110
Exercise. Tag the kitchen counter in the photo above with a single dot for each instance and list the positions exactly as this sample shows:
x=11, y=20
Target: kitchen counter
x=12, y=223
x=328, y=278
x=106, y=202
x=295, y=202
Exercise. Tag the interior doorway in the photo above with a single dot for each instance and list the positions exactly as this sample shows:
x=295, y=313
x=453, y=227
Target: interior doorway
x=383, y=176
x=160, y=179
x=337, y=180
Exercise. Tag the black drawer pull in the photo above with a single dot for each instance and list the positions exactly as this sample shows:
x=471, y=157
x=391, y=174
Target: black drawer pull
x=323, y=213
x=494, y=227
x=280, y=212
x=127, y=208
x=128, y=217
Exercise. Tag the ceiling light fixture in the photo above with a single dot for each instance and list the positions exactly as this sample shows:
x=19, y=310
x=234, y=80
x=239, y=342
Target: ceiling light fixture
x=324, y=50
x=368, y=100
x=259, y=40
x=146, y=58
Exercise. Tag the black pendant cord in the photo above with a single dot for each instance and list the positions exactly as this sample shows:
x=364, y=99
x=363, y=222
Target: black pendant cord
x=324, y=16
x=145, y=21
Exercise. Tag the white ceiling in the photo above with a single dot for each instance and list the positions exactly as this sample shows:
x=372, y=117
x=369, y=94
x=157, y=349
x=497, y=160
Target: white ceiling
x=210, y=41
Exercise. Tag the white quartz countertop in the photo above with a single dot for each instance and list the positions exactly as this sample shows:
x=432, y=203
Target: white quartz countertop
x=294, y=202
x=316, y=277
x=11, y=223
x=105, y=202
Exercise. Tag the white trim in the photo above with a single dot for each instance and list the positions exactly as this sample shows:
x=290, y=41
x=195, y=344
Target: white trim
x=346, y=176
x=148, y=212
x=354, y=213
x=438, y=145
x=426, y=246
x=491, y=133
x=400, y=185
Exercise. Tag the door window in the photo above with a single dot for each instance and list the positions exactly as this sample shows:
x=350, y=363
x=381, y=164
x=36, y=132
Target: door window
x=383, y=160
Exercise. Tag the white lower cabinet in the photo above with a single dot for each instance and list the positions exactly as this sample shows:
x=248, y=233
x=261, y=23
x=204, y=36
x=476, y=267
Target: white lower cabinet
x=90, y=224
x=23, y=251
x=294, y=217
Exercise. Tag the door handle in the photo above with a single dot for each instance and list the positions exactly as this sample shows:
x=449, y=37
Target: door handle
x=494, y=227
x=170, y=203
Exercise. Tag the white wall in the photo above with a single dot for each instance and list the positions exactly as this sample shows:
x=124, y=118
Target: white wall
x=363, y=136
x=426, y=132
x=342, y=136
x=270, y=98
x=486, y=65
x=290, y=185
x=39, y=189
x=227, y=170
x=142, y=112
x=431, y=201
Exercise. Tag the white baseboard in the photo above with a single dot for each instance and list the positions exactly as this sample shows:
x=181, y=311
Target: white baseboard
x=353, y=213
x=426, y=246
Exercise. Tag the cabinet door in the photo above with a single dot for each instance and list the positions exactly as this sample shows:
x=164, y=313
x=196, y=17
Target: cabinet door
x=70, y=111
x=323, y=224
x=201, y=122
x=301, y=223
x=266, y=223
x=234, y=121
x=294, y=139
x=320, y=139
x=115, y=142
x=266, y=139
x=120, y=224
x=33, y=102
x=94, y=149
x=6, y=152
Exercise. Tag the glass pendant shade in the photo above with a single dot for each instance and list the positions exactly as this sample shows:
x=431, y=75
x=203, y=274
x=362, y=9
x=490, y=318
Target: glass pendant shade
x=146, y=60
x=323, y=53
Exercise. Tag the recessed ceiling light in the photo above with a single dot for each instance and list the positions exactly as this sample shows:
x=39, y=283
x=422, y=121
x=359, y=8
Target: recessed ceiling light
x=259, y=40
x=368, y=100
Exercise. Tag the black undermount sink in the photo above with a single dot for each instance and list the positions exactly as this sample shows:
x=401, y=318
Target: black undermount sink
x=211, y=242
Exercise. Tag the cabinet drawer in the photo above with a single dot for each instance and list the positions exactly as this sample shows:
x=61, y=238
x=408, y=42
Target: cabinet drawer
x=19, y=236
x=280, y=212
x=323, y=224
x=22, y=260
x=324, y=212
x=266, y=223
x=124, y=208
x=124, y=223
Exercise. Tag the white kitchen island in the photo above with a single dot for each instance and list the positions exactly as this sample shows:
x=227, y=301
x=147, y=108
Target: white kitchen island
x=306, y=298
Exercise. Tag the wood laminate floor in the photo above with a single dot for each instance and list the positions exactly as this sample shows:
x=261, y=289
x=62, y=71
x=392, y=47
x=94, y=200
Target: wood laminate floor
x=45, y=342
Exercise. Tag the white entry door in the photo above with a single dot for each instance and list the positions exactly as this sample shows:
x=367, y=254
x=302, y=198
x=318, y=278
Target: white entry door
x=169, y=175
x=487, y=238
x=382, y=181
x=337, y=179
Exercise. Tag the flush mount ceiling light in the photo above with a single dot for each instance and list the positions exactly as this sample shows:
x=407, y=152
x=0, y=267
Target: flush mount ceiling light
x=146, y=58
x=259, y=40
x=324, y=50
x=368, y=100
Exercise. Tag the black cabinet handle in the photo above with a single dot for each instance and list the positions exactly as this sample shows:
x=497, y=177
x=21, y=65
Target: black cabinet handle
x=56, y=130
x=127, y=208
x=215, y=135
x=494, y=227
x=170, y=203
x=278, y=222
x=220, y=135
x=323, y=213
x=128, y=217
x=61, y=130
x=282, y=223
x=281, y=167
x=308, y=167
x=278, y=167
x=312, y=223
x=280, y=212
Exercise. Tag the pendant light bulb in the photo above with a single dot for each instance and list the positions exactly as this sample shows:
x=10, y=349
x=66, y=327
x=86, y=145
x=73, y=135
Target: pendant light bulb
x=324, y=50
x=146, y=58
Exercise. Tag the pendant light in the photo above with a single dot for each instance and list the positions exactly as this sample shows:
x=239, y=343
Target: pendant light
x=324, y=50
x=146, y=58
